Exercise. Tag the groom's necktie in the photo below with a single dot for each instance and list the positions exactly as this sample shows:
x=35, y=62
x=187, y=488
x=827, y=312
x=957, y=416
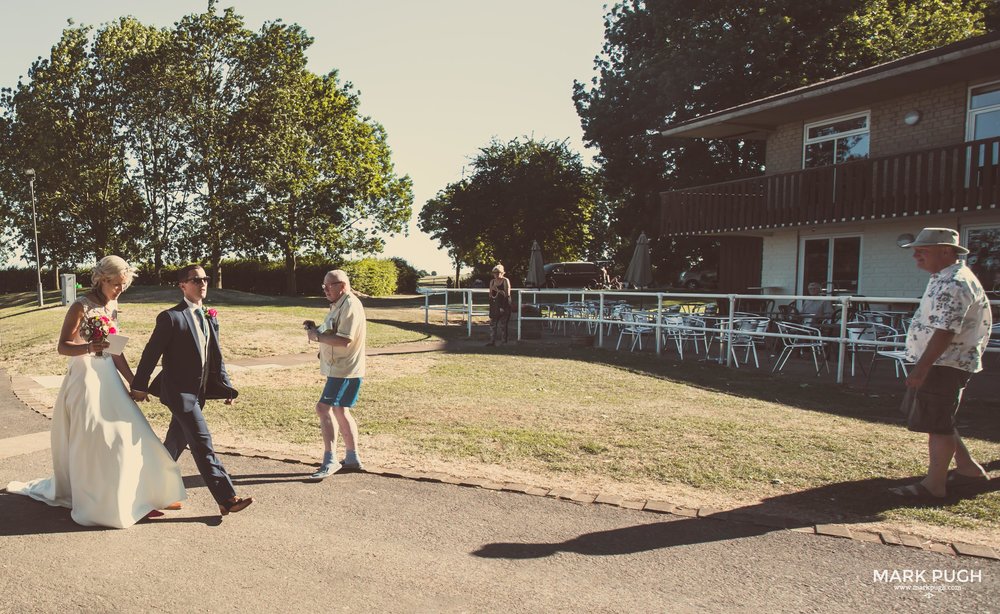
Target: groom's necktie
x=202, y=330
x=201, y=321
x=203, y=342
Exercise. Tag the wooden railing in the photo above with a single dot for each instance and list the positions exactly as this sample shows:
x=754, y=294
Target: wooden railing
x=959, y=178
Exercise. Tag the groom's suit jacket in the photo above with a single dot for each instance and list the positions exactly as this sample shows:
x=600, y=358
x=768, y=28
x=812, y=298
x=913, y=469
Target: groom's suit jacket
x=179, y=385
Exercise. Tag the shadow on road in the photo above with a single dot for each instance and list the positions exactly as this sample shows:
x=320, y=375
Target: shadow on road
x=627, y=540
x=272, y=478
x=24, y=516
x=845, y=503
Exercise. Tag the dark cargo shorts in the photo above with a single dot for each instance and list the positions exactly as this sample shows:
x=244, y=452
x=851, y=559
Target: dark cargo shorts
x=932, y=407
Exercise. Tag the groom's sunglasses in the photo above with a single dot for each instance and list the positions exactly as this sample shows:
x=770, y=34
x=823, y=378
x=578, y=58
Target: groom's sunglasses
x=198, y=280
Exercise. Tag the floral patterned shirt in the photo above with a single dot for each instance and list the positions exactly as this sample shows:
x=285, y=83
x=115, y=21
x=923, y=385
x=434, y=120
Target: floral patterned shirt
x=954, y=301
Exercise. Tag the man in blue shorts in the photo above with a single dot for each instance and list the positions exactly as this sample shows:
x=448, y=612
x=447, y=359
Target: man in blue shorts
x=341, y=340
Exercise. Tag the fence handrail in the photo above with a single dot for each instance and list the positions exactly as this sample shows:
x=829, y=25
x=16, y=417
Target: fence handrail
x=725, y=322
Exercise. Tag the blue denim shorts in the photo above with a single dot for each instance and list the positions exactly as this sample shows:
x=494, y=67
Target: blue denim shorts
x=341, y=392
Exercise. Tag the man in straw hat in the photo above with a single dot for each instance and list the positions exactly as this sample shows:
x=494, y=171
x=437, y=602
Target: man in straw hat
x=946, y=340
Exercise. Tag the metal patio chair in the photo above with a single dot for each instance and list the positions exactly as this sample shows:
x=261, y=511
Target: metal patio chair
x=800, y=337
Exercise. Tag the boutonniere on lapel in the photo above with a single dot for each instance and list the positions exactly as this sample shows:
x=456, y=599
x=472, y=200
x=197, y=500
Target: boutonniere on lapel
x=210, y=313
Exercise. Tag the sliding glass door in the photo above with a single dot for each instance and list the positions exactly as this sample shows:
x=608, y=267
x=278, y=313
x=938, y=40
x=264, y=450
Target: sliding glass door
x=834, y=262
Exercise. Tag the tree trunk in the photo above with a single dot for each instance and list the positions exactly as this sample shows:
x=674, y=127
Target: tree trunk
x=458, y=271
x=158, y=265
x=216, y=265
x=290, y=282
x=217, y=271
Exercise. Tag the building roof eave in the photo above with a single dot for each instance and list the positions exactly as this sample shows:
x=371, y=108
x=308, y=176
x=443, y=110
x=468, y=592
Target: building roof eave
x=966, y=60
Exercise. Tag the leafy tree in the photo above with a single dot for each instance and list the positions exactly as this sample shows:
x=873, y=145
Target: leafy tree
x=192, y=143
x=519, y=191
x=671, y=60
x=444, y=221
x=134, y=62
x=209, y=52
x=282, y=161
x=61, y=124
x=324, y=178
x=9, y=180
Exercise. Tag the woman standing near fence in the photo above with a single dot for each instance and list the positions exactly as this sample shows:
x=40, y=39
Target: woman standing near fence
x=500, y=305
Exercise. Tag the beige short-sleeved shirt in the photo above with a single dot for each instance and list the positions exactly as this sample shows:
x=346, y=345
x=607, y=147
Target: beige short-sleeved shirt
x=346, y=319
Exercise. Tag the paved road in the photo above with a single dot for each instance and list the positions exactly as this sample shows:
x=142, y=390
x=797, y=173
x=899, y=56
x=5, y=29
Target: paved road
x=364, y=542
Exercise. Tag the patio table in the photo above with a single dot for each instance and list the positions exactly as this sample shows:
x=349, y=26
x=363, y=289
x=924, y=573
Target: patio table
x=679, y=329
x=581, y=312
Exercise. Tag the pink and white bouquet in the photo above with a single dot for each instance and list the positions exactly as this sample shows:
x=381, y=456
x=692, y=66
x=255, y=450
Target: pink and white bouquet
x=96, y=328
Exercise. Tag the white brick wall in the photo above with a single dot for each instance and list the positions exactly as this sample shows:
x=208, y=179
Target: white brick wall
x=780, y=260
x=886, y=270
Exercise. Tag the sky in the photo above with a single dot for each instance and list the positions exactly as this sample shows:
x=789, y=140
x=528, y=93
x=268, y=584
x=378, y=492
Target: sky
x=442, y=76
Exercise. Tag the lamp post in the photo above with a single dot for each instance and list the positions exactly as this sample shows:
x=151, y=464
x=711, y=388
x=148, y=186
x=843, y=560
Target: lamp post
x=34, y=223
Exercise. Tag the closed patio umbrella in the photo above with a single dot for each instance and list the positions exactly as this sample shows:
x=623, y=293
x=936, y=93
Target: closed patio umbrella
x=640, y=272
x=536, y=267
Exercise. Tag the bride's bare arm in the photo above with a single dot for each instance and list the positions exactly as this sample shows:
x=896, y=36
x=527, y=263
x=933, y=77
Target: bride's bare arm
x=124, y=368
x=68, y=343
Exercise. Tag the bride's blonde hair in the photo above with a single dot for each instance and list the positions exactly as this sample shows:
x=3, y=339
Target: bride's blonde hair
x=112, y=267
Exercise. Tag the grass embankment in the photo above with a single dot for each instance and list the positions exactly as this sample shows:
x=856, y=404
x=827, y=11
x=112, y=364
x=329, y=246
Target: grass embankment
x=551, y=414
x=250, y=326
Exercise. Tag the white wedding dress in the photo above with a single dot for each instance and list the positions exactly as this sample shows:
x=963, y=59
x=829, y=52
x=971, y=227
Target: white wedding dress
x=109, y=466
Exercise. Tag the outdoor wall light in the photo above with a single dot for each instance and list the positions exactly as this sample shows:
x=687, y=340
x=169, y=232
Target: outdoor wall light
x=912, y=118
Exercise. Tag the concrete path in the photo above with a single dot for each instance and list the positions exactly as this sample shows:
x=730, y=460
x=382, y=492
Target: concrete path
x=386, y=542
x=364, y=543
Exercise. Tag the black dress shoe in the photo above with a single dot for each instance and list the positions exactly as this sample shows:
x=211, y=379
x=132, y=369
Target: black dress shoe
x=234, y=505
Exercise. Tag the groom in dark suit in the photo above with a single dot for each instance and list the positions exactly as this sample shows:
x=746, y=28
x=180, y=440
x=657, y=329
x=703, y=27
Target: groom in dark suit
x=186, y=336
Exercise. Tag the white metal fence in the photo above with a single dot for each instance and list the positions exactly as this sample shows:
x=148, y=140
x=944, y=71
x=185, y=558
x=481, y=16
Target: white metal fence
x=657, y=305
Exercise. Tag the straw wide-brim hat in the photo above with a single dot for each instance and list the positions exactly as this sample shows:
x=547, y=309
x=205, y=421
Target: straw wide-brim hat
x=937, y=236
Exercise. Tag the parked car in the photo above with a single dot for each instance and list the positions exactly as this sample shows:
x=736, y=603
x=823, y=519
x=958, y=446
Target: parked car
x=699, y=278
x=572, y=274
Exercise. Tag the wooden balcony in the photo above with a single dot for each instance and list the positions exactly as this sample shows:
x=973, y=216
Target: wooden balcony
x=959, y=178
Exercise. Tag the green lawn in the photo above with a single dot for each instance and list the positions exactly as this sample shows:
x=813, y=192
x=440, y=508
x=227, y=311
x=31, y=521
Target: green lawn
x=250, y=326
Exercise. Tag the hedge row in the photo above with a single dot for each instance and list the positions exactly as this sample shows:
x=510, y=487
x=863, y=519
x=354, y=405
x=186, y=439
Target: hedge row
x=368, y=276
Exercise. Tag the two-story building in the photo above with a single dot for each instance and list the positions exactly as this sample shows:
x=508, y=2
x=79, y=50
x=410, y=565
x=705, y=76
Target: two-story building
x=852, y=163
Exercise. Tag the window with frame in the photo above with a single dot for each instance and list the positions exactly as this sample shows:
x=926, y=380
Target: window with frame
x=984, y=111
x=835, y=141
x=983, y=242
x=833, y=262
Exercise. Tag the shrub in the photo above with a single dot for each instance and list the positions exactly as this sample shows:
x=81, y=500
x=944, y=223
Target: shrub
x=407, y=276
x=371, y=276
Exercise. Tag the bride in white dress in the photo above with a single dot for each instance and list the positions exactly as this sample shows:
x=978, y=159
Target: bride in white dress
x=109, y=466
